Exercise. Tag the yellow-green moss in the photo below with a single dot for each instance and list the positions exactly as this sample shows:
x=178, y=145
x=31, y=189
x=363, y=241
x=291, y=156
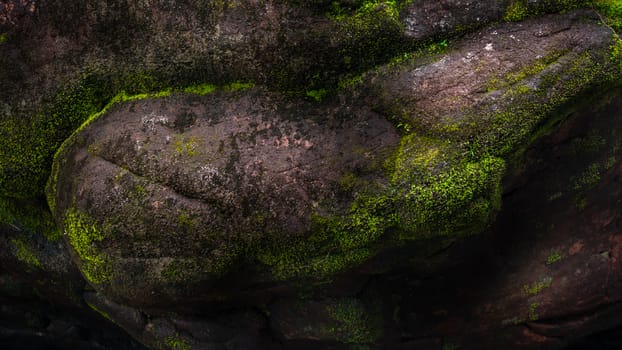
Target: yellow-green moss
x=24, y=253
x=4, y=37
x=317, y=95
x=516, y=11
x=530, y=70
x=456, y=201
x=532, y=314
x=538, y=286
x=366, y=34
x=27, y=145
x=513, y=127
x=175, y=342
x=104, y=314
x=200, y=89
x=612, y=12
x=187, y=147
x=185, y=219
x=84, y=235
x=589, y=178
x=353, y=323
x=553, y=258
x=31, y=215
x=238, y=86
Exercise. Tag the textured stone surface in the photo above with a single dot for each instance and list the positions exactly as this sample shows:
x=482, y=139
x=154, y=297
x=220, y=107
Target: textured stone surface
x=309, y=175
x=187, y=189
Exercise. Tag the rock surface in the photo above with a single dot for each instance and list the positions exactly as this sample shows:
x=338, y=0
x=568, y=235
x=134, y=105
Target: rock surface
x=279, y=174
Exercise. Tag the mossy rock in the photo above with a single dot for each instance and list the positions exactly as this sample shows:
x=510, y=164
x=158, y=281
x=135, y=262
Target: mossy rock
x=32, y=250
x=178, y=194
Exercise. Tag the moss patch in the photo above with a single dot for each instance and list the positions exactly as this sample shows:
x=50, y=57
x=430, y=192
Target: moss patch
x=353, y=323
x=175, y=342
x=423, y=201
x=538, y=286
x=84, y=235
x=612, y=10
x=553, y=258
x=517, y=11
x=24, y=253
x=30, y=215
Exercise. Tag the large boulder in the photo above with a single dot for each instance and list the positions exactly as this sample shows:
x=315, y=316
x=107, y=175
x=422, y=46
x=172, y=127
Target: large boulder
x=162, y=198
x=309, y=174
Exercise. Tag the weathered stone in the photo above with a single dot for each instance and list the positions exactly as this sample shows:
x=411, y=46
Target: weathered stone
x=309, y=174
x=184, y=190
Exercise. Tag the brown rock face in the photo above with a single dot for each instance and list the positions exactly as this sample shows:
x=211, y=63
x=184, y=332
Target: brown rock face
x=207, y=181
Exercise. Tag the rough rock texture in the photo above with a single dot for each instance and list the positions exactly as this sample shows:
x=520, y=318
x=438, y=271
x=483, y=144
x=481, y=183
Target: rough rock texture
x=321, y=174
x=209, y=183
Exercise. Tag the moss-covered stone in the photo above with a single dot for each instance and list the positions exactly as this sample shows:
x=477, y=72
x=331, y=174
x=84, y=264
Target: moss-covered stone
x=84, y=234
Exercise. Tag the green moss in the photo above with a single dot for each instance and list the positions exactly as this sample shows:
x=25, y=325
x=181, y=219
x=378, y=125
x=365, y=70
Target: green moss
x=352, y=322
x=317, y=95
x=31, y=215
x=84, y=235
x=27, y=145
x=615, y=54
x=520, y=75
x=104, y=314
x=517, y=11
x=580, y=203
x=175, y=342
x=4, y=37
x=537, y=287
x=611, y=161
x=459, y=200
x=185, y=220
x=187, y=147
x=516, y=125
x=140, y=191
x=238, y=86
x=200, y=89
x=366, y=34
x=587, y=179
x=532, y=314
x=24, y=253
x=553, y=258
x=612, y=10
